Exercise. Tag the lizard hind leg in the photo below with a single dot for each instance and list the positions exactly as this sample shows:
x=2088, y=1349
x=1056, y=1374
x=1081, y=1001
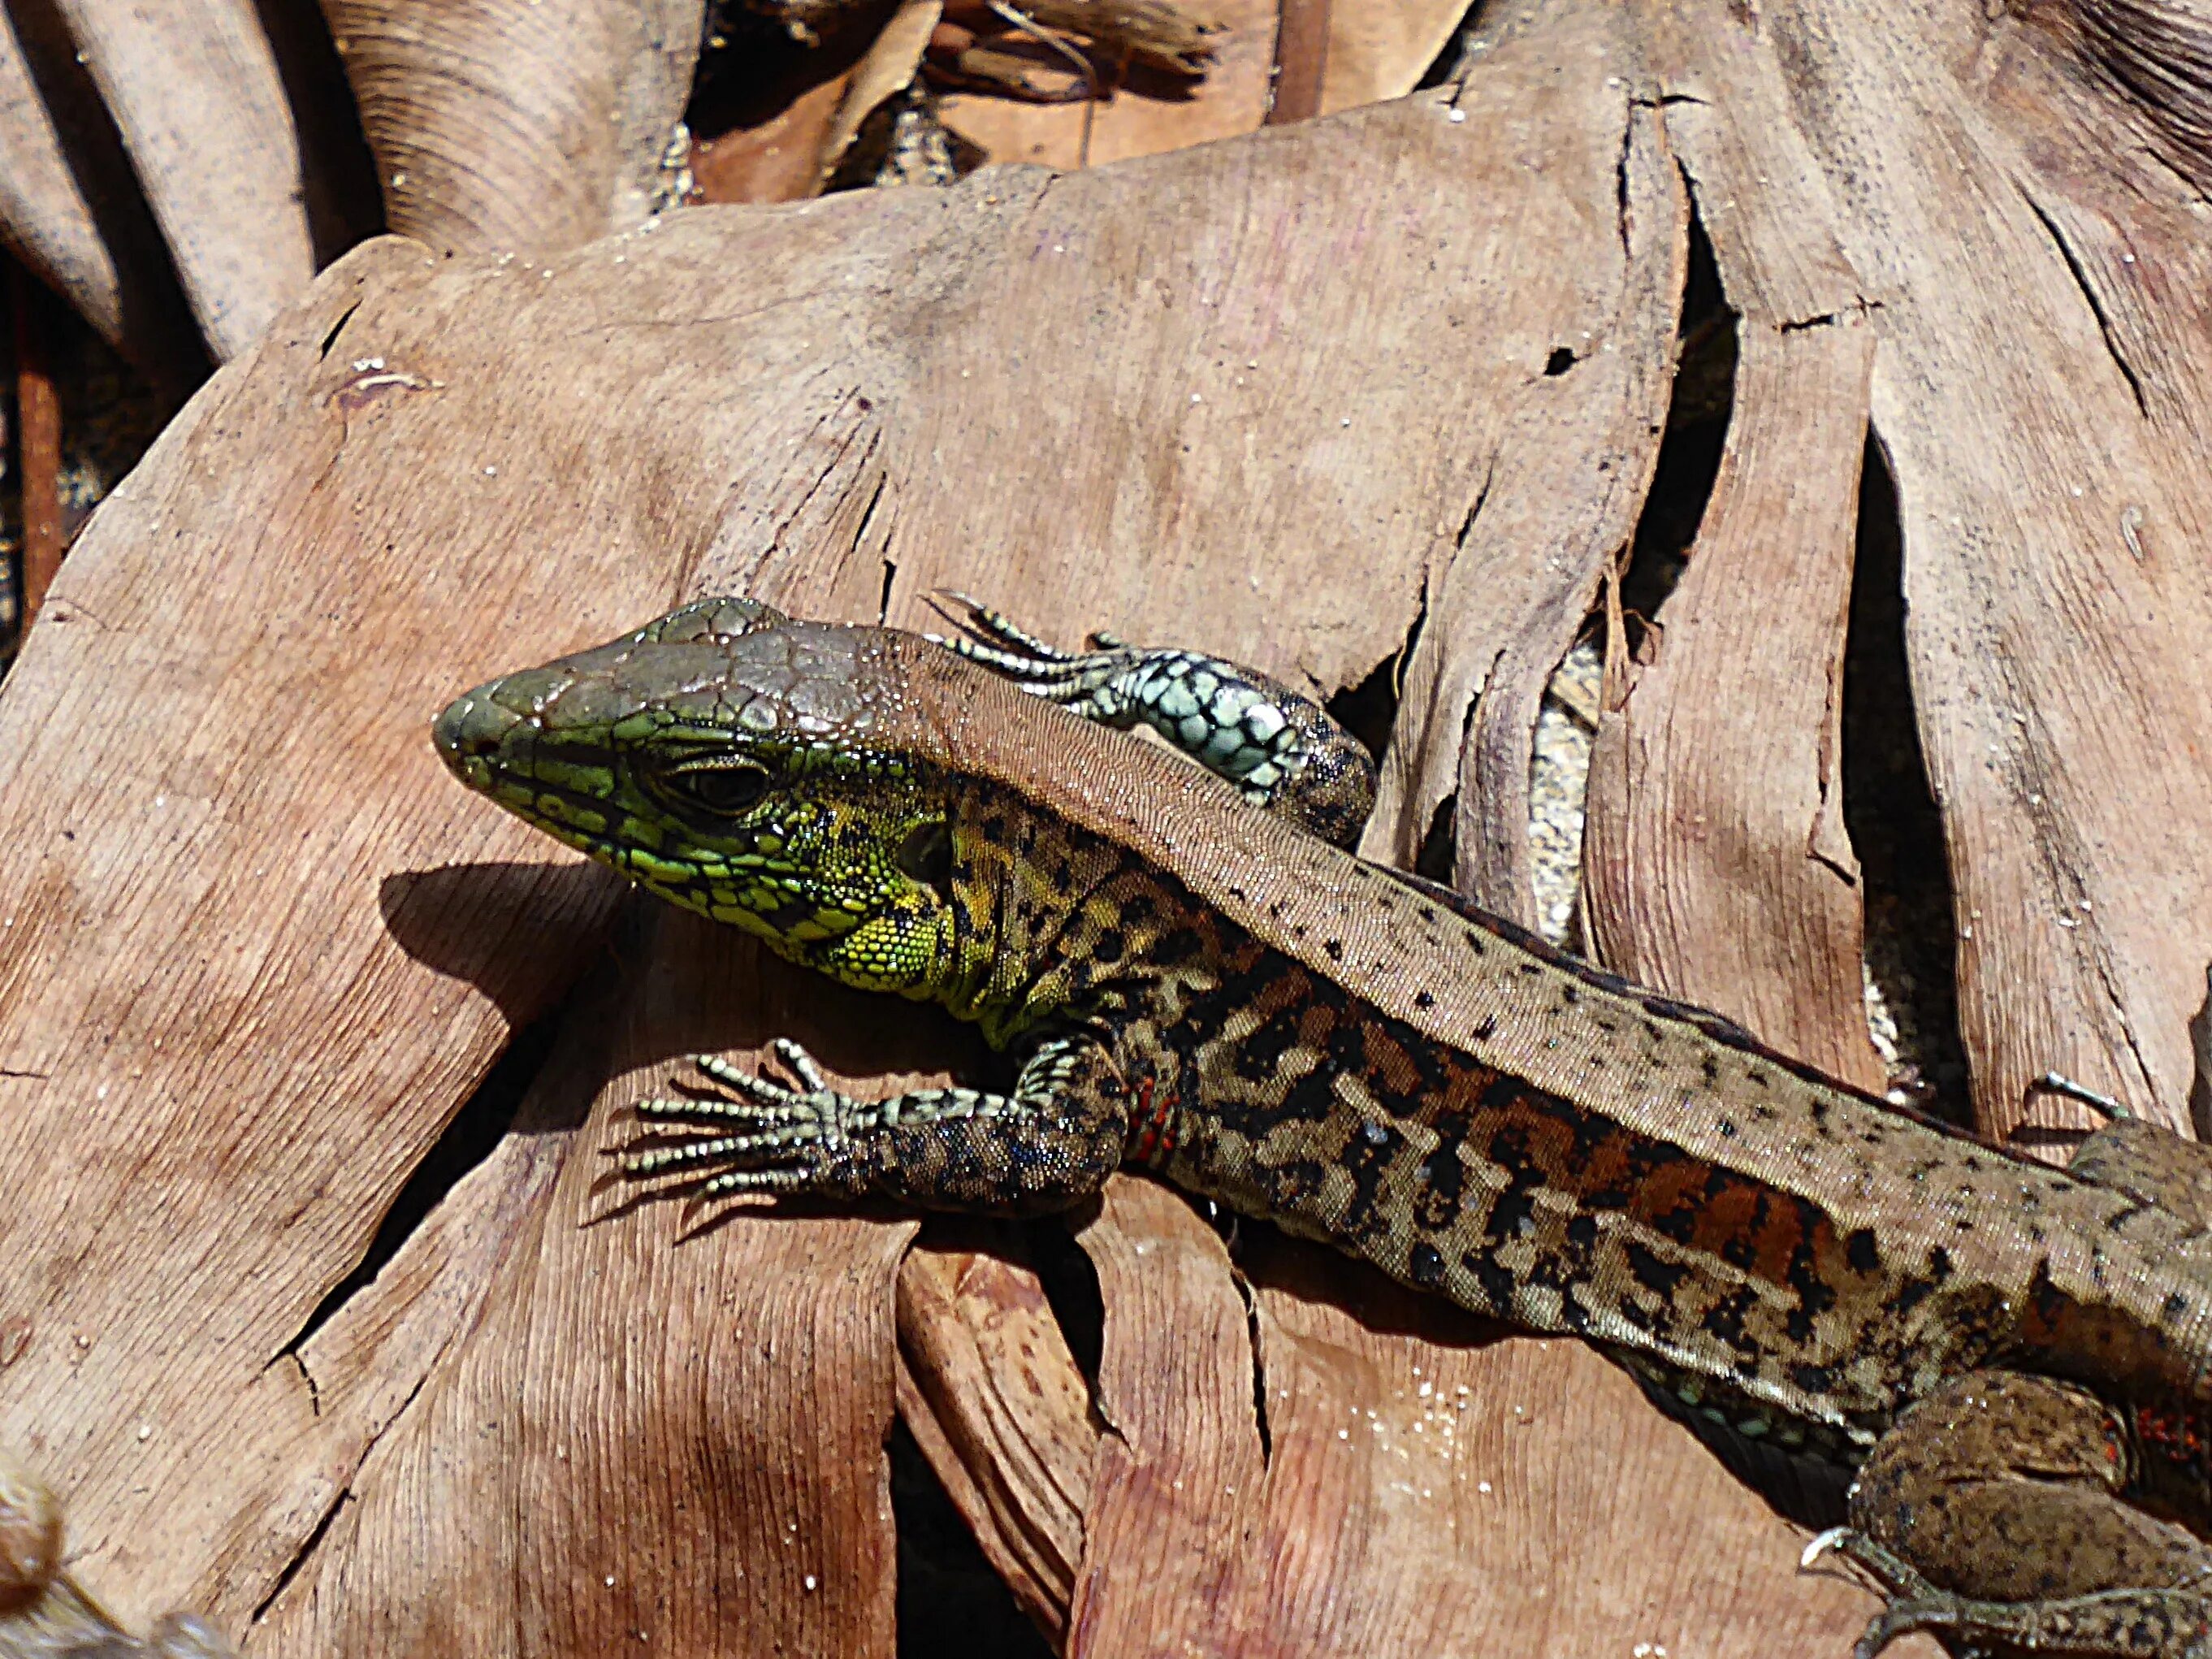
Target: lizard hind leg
x=2152, y=1163
x=1281, y=750
x=1991, y=1512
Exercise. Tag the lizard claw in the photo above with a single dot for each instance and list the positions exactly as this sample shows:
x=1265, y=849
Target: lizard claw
x=989, y=630
x=1097, y=683
x=769, y=1138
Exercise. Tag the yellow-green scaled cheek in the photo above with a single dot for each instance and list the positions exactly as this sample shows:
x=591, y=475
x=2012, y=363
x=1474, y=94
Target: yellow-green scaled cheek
x=891, y=951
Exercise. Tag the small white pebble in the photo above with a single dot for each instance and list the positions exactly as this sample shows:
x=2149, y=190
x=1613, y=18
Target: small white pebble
x=609, y=1581
x=1456, y=116
x=145, y=1431
x=491, y=472
x=1482, y=1486
x=810, y=1581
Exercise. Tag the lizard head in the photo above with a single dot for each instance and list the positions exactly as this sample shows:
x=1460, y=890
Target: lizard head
x=722, y=758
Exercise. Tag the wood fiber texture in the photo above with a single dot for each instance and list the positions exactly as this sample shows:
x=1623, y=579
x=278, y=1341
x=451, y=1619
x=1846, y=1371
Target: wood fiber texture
x=525, y=129
x=1390, y=382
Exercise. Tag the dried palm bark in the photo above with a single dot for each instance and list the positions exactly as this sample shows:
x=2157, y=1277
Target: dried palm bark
x=1288, y=396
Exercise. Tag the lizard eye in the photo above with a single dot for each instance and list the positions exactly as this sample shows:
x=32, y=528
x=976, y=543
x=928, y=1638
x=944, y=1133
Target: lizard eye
x=725, y=789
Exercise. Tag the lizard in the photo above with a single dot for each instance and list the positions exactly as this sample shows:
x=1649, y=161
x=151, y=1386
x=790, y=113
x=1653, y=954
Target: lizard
x=1196, y=978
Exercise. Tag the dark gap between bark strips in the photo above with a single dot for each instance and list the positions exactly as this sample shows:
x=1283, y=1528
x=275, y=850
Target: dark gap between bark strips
x=1890, y=815
x=1699, y=407
x=950, y=1604
x=1370, y=709
x=1701, y=402
x=475, y=1131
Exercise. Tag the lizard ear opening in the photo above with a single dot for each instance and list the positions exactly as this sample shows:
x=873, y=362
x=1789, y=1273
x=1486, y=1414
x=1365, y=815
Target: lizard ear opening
x=926, y=854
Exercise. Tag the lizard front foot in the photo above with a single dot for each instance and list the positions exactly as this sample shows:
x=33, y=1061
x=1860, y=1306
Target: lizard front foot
x=768, y=1139
x=2167, y=1623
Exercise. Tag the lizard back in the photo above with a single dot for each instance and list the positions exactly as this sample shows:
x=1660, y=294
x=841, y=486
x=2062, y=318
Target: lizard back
x=1480, y=1118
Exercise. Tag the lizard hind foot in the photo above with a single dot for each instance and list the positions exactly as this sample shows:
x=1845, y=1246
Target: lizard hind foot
x=2169, y=1623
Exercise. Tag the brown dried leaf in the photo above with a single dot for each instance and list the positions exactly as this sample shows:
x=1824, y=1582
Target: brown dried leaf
x=195, y=93
x=1146, y=113
x=1380, y=49
x=994, y=1398
x=887, y=69
x=524, y=126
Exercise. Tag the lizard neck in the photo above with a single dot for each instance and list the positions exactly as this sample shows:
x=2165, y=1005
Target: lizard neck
x=1053, y=924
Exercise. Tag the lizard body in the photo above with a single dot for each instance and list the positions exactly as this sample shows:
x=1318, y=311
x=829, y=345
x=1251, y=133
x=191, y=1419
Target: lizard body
x=1205, y=989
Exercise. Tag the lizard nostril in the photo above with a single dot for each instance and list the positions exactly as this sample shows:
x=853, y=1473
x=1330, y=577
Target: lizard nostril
x=470, y=725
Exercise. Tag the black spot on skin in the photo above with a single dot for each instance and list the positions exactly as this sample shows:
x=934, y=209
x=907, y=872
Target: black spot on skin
x=1261, y=1055
x=1423, y=999
x=1727, y=1130
x=1424, y=1264
x=1863, y=1251
x=1815, y=1380
x=1569, y=996
x=1311, y=1099
x=1660, y=1277
x=1442, y=1176
x=2176, y=1306
x=1492, y=1281
x=994, y=830
x=1427, y=913
x=1293, y=1184
x=1481, y=1033
x=1109, y=945
x=1724, y=1319
x=1336, y=949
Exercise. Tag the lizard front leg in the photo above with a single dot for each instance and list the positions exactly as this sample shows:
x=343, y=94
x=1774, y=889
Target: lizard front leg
x=1284, y=751
x=1049, y=1144
x=1993, y=1512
